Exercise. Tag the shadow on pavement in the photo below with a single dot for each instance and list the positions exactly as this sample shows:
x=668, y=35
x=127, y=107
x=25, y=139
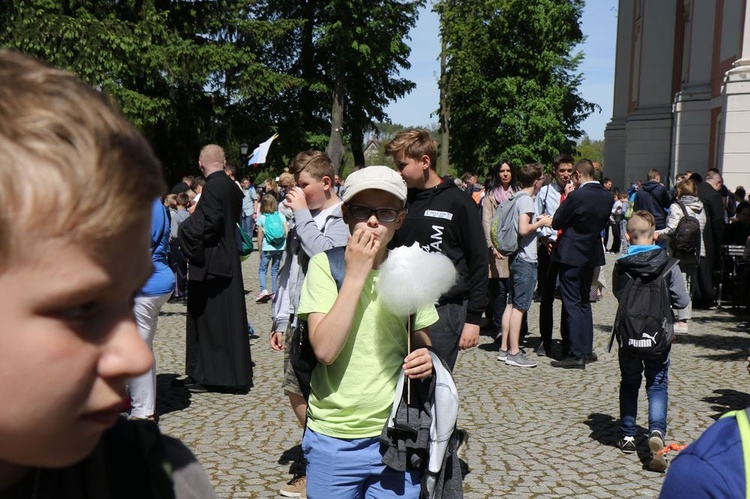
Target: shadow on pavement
x=171, y=394
x=737, y=346
x=173, y=314
x=293, y=457
x=727, y=400
x=604, y=428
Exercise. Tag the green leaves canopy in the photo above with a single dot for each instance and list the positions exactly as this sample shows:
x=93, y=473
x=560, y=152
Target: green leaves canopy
x=512, y=83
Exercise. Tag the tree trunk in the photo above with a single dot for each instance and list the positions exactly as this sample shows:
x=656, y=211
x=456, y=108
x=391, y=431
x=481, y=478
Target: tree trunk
x=335, y=148
x=357, y=145
x=306, y=99
x=445, y=112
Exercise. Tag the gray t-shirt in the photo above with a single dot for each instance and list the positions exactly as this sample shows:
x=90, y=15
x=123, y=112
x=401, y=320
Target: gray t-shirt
x=526, y=244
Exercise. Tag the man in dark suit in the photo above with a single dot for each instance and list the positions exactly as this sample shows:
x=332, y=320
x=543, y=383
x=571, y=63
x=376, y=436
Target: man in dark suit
x=581, y=217
x=713, y=237
x=218, y=352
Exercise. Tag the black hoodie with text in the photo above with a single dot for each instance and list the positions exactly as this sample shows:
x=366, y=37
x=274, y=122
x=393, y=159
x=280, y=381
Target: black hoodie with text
x=444, y=219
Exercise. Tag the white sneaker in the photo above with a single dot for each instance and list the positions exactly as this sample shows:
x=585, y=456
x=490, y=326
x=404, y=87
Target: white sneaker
x=502, y=355
x=680, y=327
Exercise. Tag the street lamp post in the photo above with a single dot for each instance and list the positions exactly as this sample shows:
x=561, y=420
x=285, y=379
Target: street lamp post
x=243, y=155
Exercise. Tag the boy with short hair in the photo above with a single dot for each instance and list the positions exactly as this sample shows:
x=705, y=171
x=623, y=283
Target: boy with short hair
x=523, y=265
x=68, y=275
x=316, y=225
x=361, y=348
x=443, y=219
x=645, y=260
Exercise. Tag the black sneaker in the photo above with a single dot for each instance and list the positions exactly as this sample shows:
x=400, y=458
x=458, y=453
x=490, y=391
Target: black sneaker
x=658, y=461
x=627, y=445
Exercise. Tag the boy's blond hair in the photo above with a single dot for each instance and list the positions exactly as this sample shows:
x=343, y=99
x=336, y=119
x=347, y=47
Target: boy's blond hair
x=73, y=166
x=641, y=224
x=414, y=143
x=316, y=163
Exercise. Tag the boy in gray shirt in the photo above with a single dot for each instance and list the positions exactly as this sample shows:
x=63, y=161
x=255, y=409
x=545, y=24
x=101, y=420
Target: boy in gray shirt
x=523, y=265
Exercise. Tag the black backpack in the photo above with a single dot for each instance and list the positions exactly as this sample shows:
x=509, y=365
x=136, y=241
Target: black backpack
x=644, y=322
x=301, y=354
x=686, y=239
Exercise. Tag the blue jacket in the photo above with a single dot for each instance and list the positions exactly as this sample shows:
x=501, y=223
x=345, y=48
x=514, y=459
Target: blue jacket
x=654, y=198
x=162, y=280
x=712, y=466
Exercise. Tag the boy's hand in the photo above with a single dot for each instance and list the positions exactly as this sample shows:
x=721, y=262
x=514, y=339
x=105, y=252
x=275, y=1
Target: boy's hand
x=469, y=337
x=277, y=340
x=296, y=200
x=544, y=220
x=418, y=364
x=569, y=187
x=360, y=253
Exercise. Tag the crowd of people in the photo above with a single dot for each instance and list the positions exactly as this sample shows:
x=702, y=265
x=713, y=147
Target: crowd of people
x=325, y=240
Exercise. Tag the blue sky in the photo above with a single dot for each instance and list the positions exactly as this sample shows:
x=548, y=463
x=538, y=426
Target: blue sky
x=599, y=24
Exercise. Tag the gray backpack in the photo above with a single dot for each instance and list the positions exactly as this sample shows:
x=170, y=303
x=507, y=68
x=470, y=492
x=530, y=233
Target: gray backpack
x=504, y=228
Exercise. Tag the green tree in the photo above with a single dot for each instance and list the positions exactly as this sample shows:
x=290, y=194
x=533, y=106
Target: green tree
x=510, y=79
x=183, y=72
x=590, y=149
x=347, y=53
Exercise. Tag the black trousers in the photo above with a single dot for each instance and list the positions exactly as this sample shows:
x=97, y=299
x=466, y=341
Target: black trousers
x=548, y=271
x=575, y=288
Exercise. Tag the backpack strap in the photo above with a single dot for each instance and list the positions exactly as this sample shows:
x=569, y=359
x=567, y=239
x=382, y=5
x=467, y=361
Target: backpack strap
x=668, y=267
x=682, y=207
x=337, y=263
x=743, y=425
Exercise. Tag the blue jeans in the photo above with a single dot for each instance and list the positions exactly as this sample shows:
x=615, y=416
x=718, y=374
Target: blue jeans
x=248, y=224
x=352, y=468
x=497, y=292
x=266, y=257
x=657, y=377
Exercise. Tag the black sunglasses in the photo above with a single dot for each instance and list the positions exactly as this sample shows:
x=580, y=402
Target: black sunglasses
x=359, y=212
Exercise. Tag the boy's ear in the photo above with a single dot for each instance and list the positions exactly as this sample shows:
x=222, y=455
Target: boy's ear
x=327, y=182
x=425, y=162
x=401, y=218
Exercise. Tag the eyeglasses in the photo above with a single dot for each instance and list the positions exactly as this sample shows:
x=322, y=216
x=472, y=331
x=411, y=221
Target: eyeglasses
x=365, y=212
x=285, y=186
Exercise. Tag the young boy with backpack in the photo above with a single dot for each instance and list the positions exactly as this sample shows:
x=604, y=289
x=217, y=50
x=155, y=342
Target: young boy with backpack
x=523, y=262
x=362, y=349
x=647, y=284
x=316, y=226
x=272, y=231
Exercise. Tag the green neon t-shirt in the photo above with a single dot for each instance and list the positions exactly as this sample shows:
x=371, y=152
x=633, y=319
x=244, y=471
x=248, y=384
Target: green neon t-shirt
x=352, y=397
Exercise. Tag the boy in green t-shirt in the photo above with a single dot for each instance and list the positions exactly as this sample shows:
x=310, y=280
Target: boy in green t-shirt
x=361, y=347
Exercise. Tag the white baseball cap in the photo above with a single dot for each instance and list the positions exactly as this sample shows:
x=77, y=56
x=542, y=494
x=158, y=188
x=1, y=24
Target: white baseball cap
x=377, y=177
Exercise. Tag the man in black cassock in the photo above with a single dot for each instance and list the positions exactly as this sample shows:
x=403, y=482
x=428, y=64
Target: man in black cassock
x=218, y=351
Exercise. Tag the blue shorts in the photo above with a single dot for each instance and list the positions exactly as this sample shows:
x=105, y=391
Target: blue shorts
x=352, y=468
x=522, y=282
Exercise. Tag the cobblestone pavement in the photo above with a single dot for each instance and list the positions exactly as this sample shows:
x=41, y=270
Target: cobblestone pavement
x=539, y=432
